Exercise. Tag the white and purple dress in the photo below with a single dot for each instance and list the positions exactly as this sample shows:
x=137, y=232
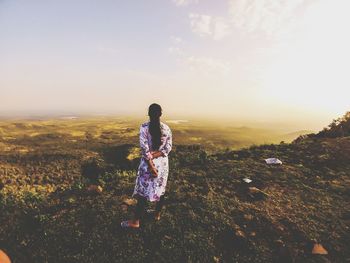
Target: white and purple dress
x=152, y=188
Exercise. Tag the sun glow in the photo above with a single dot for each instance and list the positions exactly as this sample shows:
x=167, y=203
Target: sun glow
x=311, y=71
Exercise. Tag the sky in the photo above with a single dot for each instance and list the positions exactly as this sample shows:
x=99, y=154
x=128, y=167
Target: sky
x=284, y=61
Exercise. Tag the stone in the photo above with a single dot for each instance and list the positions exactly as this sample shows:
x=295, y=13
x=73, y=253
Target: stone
x=318, y=249
x=4, y=258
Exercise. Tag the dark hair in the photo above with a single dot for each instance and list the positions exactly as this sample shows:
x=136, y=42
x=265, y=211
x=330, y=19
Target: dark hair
x=154, y=113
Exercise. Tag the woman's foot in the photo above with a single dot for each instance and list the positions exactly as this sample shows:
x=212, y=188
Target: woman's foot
x=130, y=224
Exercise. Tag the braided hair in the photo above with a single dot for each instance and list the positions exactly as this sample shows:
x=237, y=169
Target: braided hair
x=154, y=113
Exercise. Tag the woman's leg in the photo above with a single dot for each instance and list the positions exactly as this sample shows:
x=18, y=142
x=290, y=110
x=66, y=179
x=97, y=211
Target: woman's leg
x=139, y=210
x=159, y=206
x=140, y=207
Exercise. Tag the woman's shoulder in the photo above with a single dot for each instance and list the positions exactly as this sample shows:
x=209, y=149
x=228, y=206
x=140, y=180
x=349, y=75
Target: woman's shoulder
x=165, y=126
x=145, y=124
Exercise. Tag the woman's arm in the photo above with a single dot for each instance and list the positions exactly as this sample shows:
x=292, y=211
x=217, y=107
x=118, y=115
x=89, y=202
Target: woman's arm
x=145, y=149
x=152, y=168
x=167, y=144
x=157, y=154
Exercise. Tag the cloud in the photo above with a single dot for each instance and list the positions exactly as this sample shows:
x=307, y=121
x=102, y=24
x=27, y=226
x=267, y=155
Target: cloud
x=201, y=24
x=208, y=26
x=207, y=64
x=203, y=64
x=175, y=50
x=268, y=16
x=176, y=40
x=176, y=47
x=316, y=61
x=184, y=2
x=221, y=29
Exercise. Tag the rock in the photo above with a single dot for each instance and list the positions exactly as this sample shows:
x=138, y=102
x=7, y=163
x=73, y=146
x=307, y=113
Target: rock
x=318, y=249
x=4, y=258
x=273, y=161
x=247, y=180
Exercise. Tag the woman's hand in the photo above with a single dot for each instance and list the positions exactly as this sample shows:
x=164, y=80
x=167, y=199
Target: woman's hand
x=152, y=168
x=156, y=154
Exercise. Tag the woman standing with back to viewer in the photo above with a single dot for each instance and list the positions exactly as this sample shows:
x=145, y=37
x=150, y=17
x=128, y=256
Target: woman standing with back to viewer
x=152, y=174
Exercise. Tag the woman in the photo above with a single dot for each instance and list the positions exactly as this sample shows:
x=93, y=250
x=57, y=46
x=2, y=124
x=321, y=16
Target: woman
x=152, y=175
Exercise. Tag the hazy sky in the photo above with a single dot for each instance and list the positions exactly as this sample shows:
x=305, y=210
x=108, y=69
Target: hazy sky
x=261, y=60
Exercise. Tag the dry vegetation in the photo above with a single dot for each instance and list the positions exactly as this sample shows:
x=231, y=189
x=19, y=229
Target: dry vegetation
x=47, y=215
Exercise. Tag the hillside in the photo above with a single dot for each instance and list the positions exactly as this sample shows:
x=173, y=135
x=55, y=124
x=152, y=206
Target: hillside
x=47, y=215
x=339, y=127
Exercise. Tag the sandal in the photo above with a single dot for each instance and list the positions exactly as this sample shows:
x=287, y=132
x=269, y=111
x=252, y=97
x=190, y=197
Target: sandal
x=126, y=224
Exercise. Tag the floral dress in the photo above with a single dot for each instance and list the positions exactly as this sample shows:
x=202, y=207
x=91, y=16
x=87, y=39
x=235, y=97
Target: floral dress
x=152, y=188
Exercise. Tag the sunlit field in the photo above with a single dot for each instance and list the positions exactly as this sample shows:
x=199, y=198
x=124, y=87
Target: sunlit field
x=66, y=183
x=25, y=135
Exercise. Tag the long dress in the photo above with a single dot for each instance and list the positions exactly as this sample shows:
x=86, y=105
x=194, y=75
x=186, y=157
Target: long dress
x=146, y=185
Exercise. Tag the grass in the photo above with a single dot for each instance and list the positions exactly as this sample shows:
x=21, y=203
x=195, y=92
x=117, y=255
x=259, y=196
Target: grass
x=48, y=216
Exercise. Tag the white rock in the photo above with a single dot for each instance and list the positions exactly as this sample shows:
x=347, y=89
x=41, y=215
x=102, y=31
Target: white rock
x=273, y=161
x=247, y=180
